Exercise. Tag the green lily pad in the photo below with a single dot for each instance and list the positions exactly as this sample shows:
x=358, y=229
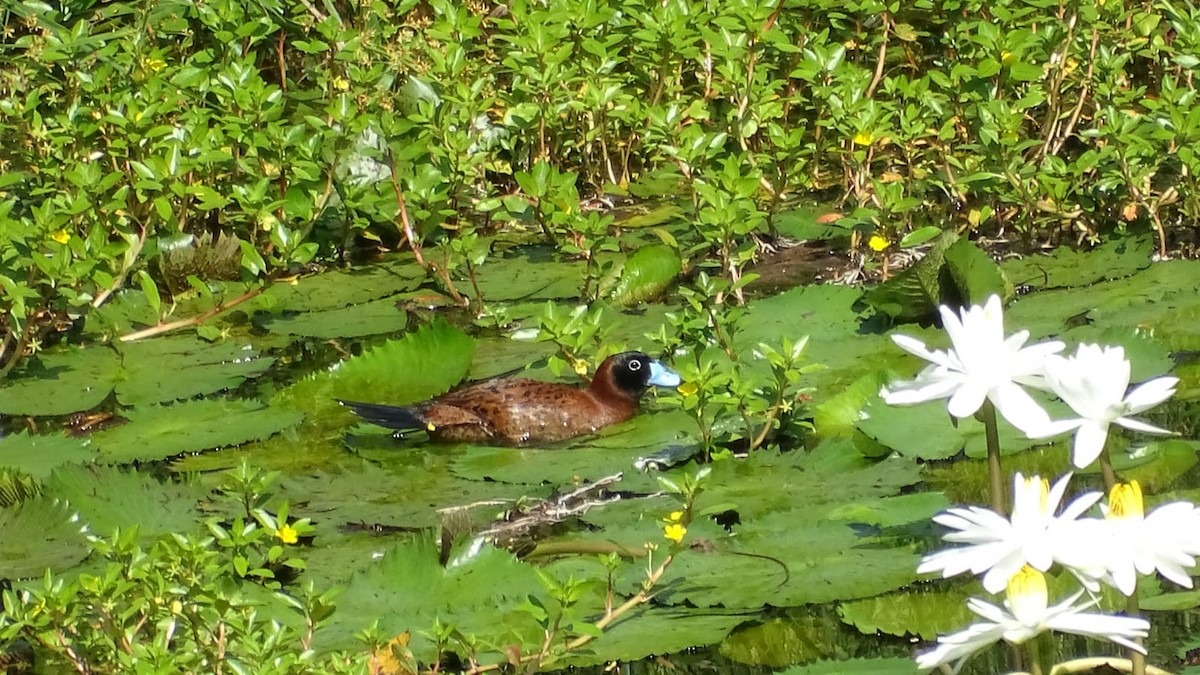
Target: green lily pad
x=976, y=276
x=652, y=631
x=915, y=292
x=60, y=383
x=38, y=455
x=195, y=366
x=107, y=498
x=336, y=289
x=419, y=365
x=1066, y=267
x=926, y=431
x=924, y=613
x=39, y=534
x=368, y=318
x=786, y=640
x=408, y=589
x=646, y=274
x=532, y=275
x=161, y=431
x=879, y=666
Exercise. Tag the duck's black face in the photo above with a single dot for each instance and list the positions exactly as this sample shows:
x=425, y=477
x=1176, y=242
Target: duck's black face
x=634, y=373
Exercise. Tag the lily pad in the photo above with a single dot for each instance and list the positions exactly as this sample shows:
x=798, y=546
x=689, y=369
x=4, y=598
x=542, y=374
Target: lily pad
x=407, y=590
x=60, y=383
x=38, y=455
x=332, y=290
x=196, y=367
x=655, y=631
x=368, y=318
x=646, y=274
x=39, y=534
x=1066, y=267
x=879, y=666
x=915, y=292
x=786, y=640
x=976, y=276
x=924, y=613
x=532, y=275
x=422, y=364
x=926, y=431
x=107, y=498
x=161, y=431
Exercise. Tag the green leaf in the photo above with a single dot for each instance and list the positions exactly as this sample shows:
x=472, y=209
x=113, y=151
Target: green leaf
x=975, y=274
x=61, y=382
x=370, y=318
x=39, y=534
x=37, y=455
x=196, y=367
x=161, y=431
x=420, y=365
x=924, y=613
x=914, y=293
x=647, y=273
x=108, y=498
x=150, y=290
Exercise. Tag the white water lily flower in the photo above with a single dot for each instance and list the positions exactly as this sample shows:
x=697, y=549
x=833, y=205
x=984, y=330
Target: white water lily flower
x=1093, y=383
x=1026, y=613
x=998, y=547
x=982, y=364
x=1129, y=542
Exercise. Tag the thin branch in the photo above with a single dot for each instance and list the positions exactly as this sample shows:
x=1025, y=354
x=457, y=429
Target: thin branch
x=193, y=321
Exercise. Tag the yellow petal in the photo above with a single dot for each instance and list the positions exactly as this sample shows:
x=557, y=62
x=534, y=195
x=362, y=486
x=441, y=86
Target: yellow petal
x=287, y=534
x=688, y=388
x=674, y=532
x=864, y=138
x=61, y=236
x=878, y=243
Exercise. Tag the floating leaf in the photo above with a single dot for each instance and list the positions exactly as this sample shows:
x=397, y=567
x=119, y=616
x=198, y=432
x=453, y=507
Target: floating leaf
x=976, y=276
x=338, y=288
x=926, y=431
x=1066, y=267
x=924, y=613
x=195, y=366
x=60, y=383
x=530, y=276
x=39, y=534
x=652, y=631
x=879, y=666
x=157, y=432
x=647, y=273
x=368, y=318
x=782, y=641
x=408, y=589
x=37, y=455
x=914, y=293
x=420, y=365
x=107, y=498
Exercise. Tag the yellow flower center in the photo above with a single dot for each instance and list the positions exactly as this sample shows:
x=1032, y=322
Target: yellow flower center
x=1027, y=596
x=1125, y=501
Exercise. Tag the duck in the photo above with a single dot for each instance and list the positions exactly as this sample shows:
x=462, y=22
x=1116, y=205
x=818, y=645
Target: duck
x=514, y=411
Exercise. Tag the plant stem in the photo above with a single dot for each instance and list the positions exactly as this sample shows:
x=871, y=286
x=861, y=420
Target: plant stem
x=1035, y=658
x=1110, y=476
x=987, y=415
x=1136, y=658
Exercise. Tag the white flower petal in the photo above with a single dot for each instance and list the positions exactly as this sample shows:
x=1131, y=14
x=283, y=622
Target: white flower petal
x=1018, y=407
x=967, y=400
x=1149, y=394
x=1089, y=443
x=1138, y=425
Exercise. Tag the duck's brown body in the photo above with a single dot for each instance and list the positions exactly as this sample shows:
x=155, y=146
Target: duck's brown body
x=514, y=411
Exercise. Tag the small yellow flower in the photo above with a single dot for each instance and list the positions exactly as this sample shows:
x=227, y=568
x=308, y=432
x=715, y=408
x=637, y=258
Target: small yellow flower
x=688, y=388
x=287, y=534
x=878, y=243
x=1007, y=58
x=341, y=83
x=61, y=236
x=155, y=65
x=1125, y=501
x=674, y=532
x=864, y=138
x=675, y=517
x=580, y=366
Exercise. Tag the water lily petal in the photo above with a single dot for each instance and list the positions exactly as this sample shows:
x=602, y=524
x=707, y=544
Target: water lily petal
x=1018, y=407
x=1138, y=425
x=1149, y=394
x=917, y=348
x=1089, y=442
x=967, y=400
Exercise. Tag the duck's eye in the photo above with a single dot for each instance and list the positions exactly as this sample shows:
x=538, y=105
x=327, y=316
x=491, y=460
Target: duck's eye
x=635, y=366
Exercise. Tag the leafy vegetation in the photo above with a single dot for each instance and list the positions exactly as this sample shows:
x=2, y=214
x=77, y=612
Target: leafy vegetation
x=566, y=180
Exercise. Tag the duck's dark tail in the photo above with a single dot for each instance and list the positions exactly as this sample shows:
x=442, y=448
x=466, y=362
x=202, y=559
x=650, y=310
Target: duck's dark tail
x=390, y=416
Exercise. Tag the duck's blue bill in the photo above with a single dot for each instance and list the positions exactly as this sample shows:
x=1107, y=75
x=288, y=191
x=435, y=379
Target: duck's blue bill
x=663, y=376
